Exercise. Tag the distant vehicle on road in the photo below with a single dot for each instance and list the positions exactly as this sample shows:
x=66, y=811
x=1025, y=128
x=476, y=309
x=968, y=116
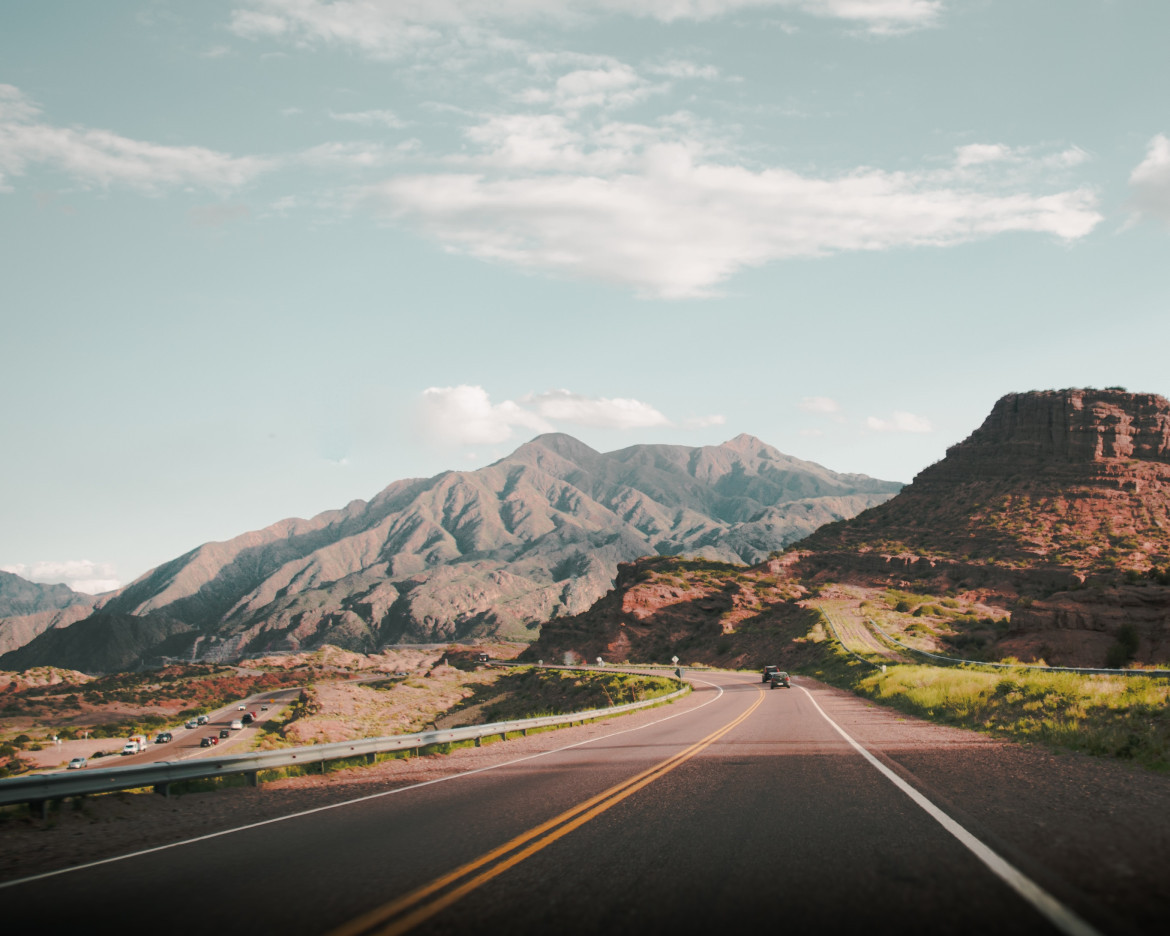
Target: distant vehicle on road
x=247, y=719
x=241, y=708
x=768, y=671
x=202, y=719
x=163, y=737
x=236, y=725
x=781, y=679
x=224, y=733
x=208, y=741
x=191, y=723
x=77, y=763
x=136, y=744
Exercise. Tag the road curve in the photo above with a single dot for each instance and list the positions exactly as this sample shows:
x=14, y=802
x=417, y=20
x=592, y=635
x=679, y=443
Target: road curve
x=748, y=807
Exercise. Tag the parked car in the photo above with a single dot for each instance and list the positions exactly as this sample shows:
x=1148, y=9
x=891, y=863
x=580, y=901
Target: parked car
x=768, y=671
x=77, y=763
x=236, y=725
x=781, y=679
x=224, y=733
x=163, y=737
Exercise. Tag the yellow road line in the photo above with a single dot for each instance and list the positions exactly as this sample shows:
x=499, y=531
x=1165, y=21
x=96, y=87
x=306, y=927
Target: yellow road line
x=413, y=904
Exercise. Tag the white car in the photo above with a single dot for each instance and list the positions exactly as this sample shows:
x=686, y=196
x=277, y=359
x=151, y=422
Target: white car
x=241, y=708
x=237, y=725
x=77, y=763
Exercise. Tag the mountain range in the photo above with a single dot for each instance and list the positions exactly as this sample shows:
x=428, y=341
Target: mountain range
x=493, y=552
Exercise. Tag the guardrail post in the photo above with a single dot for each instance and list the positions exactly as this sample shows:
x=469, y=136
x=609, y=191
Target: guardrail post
x=163, y=789
x=253, y=777
x=478, y=741
x=371, y=757
x=524, y=732
x=39, y=807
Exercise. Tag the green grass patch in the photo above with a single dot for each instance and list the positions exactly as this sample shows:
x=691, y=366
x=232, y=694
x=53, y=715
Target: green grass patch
x=531, y=692
x=1111, y=716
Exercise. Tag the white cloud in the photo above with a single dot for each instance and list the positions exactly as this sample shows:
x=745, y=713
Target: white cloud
x=82, y=575
x=660, y=218
x=617, y=85
x=348, y=155
x=1150, y=181
x=900, y=422
x=101, y=157
x=616, y=413
x=1021, y=163
x=819, y=404
x=370, y=118
x=465, y=415
x=392, y=28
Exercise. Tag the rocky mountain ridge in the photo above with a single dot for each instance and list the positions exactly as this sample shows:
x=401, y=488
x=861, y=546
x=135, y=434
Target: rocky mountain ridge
x=28, y=609
x=493, y=552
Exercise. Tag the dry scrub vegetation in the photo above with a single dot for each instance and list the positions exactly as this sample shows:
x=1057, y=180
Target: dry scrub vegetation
x=1126, y=717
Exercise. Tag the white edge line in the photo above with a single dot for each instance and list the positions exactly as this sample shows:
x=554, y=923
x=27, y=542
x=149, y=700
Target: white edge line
x=1057, y=913
x=360, y=799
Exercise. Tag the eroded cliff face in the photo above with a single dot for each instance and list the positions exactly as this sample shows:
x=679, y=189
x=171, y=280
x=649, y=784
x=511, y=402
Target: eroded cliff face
x=1059, y=503
x=1078, y=427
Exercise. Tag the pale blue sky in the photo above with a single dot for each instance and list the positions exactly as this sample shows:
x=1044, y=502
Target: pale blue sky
x=262, y=257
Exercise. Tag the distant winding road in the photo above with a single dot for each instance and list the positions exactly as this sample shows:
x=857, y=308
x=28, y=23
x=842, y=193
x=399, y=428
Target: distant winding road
x=743, y=807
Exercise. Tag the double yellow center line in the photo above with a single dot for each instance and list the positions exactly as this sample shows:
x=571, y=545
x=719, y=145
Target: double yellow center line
x=407, y=912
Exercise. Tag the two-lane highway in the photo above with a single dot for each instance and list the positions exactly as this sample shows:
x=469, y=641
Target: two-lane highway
x=744, y=806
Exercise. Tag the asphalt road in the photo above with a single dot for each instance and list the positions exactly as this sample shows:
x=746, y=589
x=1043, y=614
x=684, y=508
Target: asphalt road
x=751, y=810
x=186, y=740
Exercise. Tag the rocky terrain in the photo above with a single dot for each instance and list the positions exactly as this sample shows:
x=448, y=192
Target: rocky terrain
x=1056, y=509
x=702, y=612
x=494, y=552
x=1043, y=535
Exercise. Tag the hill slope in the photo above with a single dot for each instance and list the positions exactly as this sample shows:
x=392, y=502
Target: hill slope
x=28, y=609
x=1059, y=504
x=497, y=551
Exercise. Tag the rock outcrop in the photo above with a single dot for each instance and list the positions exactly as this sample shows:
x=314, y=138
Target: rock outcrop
x=1059, y=503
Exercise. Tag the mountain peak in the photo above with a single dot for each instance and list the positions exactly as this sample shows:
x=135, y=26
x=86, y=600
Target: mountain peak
x=1077, y=425
x=745, y=443
x=559, y=443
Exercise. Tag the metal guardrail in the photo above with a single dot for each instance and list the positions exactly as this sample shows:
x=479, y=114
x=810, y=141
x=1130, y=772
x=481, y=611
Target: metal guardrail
x=837, y=637
x=955, y=661
x=40, y=788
